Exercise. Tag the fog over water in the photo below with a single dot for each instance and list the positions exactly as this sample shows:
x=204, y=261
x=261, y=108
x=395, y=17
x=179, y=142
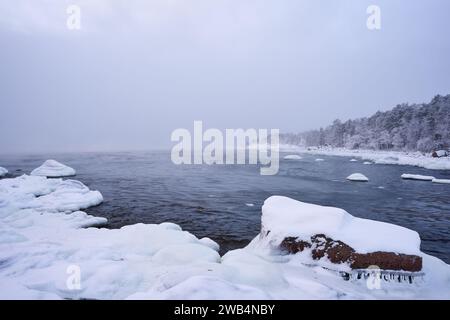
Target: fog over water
x=138, y=70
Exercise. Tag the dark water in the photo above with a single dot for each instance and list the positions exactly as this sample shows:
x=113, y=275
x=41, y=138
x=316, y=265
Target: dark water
x=211, y=200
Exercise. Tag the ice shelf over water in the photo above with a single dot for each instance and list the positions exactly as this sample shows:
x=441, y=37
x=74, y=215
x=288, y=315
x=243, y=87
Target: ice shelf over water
x=44, y=239
x=53, y=169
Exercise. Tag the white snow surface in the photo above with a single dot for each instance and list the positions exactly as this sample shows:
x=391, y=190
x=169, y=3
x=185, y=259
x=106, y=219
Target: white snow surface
x=408, y=176
x=359, y=177
x=3, y=172
x=293, y=157
x=44, y=237
x=53, y=169
x=416, y=159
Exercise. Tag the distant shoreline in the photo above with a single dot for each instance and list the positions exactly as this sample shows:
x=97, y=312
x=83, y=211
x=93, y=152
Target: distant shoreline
x=416, y=159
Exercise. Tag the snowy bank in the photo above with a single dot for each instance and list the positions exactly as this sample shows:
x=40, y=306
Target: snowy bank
x=53, y=169
x=3, y=172
x=49, y=251
x=416, y=159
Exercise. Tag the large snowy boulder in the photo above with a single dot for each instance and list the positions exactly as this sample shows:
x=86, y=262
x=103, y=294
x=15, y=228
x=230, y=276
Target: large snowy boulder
x=359, y=177
x=334, y=234
x=53, y=169
x=3, y=172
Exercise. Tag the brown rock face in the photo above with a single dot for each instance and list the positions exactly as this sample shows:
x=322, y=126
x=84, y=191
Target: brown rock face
x=339, y=252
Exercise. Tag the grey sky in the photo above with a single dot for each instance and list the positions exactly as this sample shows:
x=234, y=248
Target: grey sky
x=139, y=69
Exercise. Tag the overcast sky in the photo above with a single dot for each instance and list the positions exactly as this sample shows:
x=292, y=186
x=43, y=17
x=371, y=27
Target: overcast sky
x=137, y=70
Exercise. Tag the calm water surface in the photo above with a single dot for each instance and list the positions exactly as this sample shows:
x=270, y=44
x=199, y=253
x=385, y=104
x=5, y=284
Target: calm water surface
x=212, y=200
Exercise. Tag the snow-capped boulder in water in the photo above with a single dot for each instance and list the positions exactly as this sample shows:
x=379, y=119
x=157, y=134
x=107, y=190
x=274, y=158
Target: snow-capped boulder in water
x=333, y=235
x=3, y=172
x=293, y=157
x=407, y=176
x=358, y=177
x=439, y=154
x=442, y=181
x=53, y=169
x=367, y=162
x=353, y=160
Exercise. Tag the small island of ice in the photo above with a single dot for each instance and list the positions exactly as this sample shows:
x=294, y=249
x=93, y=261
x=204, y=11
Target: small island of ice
x=442, y=181
x=3, y=172
x=419, y=177
x=53, y=169
x=319, y=160
x=353, y=160
x=293, y=157
x=359, y=177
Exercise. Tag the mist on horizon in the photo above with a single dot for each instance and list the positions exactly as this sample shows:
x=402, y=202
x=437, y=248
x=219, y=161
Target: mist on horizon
x=136, y=71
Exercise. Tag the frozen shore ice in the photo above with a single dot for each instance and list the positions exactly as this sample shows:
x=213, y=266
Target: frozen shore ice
x=41, y=240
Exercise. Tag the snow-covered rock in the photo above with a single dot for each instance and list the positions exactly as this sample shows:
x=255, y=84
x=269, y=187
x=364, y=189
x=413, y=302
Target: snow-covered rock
x=53, y=169
x=367, y=162
x=359, y=177
x=408, y=176
x=293, y=157
x=319, y=160
x=353, y=160
x=440, y=154
x=443, y=181
x=3, y=172
x=285, y=217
